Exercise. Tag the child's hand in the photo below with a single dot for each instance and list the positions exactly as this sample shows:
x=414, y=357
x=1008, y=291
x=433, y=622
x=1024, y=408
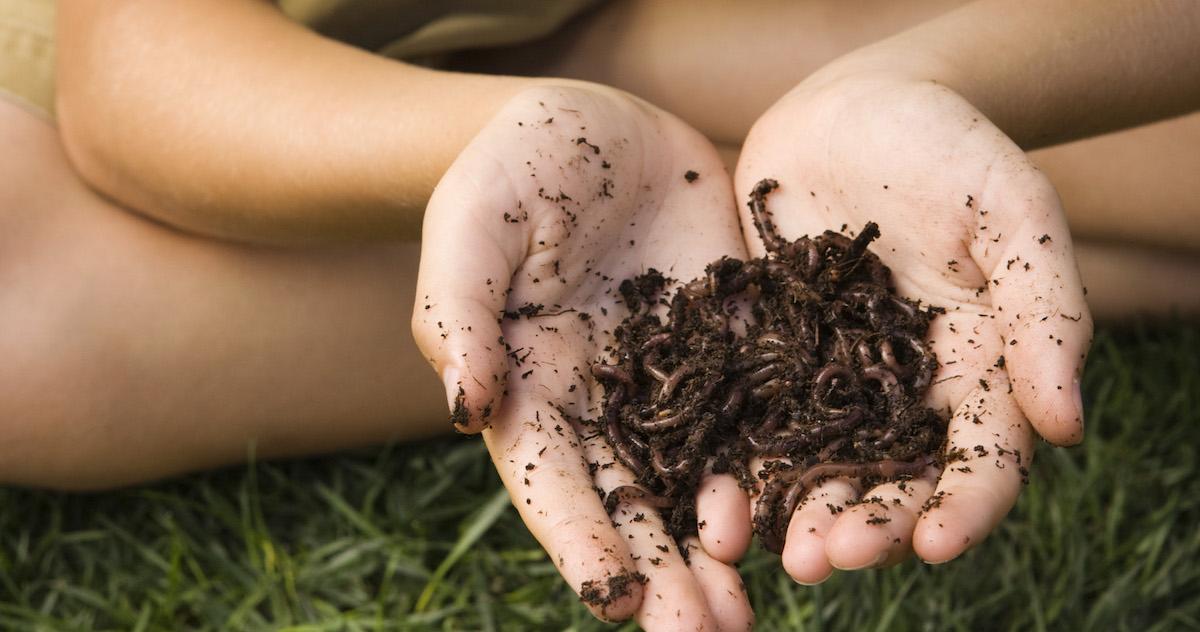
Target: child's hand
x=968, y=224
x=565, y=193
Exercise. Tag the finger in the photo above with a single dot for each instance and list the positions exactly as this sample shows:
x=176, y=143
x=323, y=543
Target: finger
x=804, y=552
x=992, y=445
x=723, y=589
x=723, y=517
x=1023, y=244
x=468, y=257
x=540, y=461
x=672, y=598
x=878, y=530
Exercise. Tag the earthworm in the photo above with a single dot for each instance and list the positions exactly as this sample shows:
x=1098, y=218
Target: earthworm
x=656, y=460
x=771, y=421
x=799, y=481
x=759, y=446
x=653, y=370
x=864, y=353
x=830, y=449
x=827, y=375
x=778, y=444
x=695, y=290
x=925, y=361
x=655, y=341
x=664, y=420
x=734, y=401
x=878, y=273
x=673, y=381
x=839, y=425
x=612, y=428
x=744, y=277
x=763, y=374
x=612, y=372
x=904, y=306
x=762, y=217
x=889, y=437
x=882, y=375
x=812, y=260
x=755, y=361
x=842, y=351
x=888, y=355
x=616, y=438
x=772, y=338
x=825, y=378
x=768, y=359
x=630, y=493
x=769, y=389
x=820, y=322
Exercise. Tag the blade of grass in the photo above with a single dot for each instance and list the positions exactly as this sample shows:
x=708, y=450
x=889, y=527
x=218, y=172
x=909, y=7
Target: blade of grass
x=479, y=524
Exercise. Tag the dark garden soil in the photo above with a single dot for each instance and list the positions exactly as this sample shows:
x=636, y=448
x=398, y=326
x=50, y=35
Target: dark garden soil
x=805, y=358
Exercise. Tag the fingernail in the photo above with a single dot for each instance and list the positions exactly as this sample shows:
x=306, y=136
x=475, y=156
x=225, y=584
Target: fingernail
x=879, y=559
x=454, y=395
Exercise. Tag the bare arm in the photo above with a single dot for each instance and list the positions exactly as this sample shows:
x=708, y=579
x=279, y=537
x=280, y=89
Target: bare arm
x=223, y=117
x=1049, y=71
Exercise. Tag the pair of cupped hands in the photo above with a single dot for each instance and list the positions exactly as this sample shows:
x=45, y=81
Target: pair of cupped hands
x=572, y=188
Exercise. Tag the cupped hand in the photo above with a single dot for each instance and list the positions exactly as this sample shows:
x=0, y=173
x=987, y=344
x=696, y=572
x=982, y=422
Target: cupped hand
x=565, y=193
x=969, y=225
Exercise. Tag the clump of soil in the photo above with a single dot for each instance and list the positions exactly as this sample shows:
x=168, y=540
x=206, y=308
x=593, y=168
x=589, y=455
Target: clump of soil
x=805, y=357
x=603, y=593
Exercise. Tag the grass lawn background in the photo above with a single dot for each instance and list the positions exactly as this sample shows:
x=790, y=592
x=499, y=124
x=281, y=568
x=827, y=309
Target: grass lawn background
x=421, y=537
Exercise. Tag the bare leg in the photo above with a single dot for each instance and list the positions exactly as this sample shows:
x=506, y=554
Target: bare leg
x=1125, y=279
x=1136, y=186
x=129, y=351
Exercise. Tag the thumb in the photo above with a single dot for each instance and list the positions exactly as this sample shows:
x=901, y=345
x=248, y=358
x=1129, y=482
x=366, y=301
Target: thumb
x=468, y=255
x=1024, y=247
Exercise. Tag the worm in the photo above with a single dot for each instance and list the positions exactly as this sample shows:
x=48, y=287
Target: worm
x=882, y=375
x=769, y=389
x=664, y=420
x=611, y=373
x=772, y=339
x=762, y=217
x=655, y=341
x=656, y=460
x=653, y=370
x=799, y=481
x=824, y=374
x=631, y=493
x=673, y=380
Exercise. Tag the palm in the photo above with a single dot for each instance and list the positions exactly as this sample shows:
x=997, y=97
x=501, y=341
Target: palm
x=962, y=214
x=566, y=193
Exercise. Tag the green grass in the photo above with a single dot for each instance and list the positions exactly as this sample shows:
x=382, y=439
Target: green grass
x=421, y=537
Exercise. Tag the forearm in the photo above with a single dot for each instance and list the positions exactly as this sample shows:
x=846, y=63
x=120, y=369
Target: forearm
x=227, y=119
x=1048, y=71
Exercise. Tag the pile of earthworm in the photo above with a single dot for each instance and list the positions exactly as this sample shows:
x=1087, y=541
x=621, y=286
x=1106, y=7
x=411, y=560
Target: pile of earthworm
x=804, y=358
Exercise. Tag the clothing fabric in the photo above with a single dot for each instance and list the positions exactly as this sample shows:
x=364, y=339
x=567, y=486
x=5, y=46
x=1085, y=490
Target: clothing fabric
x=27, y=53
x=419, y=31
